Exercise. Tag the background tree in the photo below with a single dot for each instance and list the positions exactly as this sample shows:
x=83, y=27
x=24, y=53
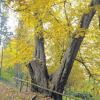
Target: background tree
x=5, y=34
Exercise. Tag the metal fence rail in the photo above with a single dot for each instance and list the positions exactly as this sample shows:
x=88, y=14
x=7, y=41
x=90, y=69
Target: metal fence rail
x=62, y=94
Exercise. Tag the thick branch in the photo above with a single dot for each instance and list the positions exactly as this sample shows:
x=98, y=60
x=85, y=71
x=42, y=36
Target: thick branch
x=62, y=75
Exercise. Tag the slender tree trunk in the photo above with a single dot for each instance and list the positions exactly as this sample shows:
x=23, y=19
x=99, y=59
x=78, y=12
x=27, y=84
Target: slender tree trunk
x=17, y=70
x=1, y=63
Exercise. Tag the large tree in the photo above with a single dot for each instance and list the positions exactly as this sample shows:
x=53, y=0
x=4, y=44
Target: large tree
x=37, y=67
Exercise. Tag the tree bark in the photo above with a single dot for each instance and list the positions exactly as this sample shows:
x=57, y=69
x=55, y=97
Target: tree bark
x=37, y=67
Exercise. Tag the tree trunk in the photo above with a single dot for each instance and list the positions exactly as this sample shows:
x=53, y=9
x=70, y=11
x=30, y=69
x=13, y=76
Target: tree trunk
x=38, y=76
x=37, y=67
x=17, y=70
x=1, y=63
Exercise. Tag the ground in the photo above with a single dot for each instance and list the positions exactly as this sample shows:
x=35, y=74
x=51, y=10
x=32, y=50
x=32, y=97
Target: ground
x=9, y=93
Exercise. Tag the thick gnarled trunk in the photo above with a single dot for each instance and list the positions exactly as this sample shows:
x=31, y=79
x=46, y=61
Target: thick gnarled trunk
x=37, y=67
x=38, y=76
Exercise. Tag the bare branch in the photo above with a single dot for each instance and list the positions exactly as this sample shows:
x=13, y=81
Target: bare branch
x=87, y=69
